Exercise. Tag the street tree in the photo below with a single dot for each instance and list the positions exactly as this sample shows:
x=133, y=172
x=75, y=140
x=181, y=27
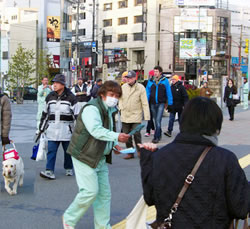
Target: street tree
x=43, y=64
x=21, y=66
x=140, y=65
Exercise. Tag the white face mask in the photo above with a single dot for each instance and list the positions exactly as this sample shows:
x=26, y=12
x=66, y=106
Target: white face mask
x=111, y=101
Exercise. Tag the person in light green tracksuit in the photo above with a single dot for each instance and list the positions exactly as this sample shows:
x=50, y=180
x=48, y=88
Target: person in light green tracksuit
x=43, y=90
x=91, y=145
x=245, y=94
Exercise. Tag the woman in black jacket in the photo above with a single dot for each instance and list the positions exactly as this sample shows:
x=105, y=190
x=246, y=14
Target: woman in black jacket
x=230, y=90
x=219, y=192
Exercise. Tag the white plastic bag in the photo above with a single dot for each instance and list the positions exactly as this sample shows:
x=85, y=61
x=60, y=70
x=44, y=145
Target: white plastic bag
x=137, y=218
x=42, y=149
x=235, y=96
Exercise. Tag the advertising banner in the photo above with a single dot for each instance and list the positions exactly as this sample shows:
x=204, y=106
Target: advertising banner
x=195, y=2
x=190, y=48
x=53, y=28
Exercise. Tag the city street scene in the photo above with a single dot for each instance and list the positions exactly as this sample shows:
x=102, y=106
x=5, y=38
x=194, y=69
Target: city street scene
x=124, y=114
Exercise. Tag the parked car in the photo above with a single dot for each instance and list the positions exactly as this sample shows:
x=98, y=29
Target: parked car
x=30, y=93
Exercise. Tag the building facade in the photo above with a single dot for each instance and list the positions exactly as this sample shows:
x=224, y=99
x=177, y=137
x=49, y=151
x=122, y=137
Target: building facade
x=198, y=40
x=130, y=34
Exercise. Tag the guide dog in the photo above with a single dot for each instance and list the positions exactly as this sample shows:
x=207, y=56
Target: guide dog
x=13, y=172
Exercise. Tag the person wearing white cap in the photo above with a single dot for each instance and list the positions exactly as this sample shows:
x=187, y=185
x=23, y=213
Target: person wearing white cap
x=133, y=103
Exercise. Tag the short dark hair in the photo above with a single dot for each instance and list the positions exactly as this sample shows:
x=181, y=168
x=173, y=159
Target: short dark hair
x=201, y=116
x=158, y=68
x=110, y=85
x=99, y=80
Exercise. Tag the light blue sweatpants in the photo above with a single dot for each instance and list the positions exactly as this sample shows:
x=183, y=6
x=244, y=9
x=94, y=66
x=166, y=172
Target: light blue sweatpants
x=94, y=188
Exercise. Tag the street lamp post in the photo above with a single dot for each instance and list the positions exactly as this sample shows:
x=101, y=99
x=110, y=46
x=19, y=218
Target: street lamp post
x=93, y=40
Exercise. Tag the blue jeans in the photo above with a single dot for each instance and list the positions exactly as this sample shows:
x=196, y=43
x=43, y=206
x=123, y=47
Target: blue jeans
x=51, y=155
x=171, y=120
x=157, y=112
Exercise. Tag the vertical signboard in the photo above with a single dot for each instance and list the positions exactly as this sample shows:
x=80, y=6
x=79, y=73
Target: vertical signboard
x=53, y=28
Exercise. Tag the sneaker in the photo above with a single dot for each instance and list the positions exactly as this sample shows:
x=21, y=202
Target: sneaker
x=49, y=174
x=65, y=225
x=69, y=172
x=168, y=133
x=147, y=134
x=155, y=141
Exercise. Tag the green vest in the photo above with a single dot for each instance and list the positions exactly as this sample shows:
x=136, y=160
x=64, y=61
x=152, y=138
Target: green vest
x=83, y=146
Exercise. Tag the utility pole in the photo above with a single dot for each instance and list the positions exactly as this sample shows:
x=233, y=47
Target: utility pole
x=76, y=41
x=229, y=56
x=93, y=40
x=239, y=75
x=198, y=58
x=103, y=45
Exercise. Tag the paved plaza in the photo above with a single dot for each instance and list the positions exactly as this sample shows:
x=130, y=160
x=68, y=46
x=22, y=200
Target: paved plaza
x=40, y=203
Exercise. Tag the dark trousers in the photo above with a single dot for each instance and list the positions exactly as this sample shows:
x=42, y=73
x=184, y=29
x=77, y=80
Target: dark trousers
x=51, y=155
x=231, y=112
x=172, y=119
x=126, y=128
x=150, y=125
x=157, y=112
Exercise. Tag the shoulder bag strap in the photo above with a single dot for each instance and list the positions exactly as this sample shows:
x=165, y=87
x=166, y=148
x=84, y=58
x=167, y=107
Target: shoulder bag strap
x=188, y=181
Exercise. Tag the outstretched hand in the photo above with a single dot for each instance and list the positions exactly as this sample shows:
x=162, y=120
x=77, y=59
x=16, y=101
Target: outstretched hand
x=148, y=146
x=123, y=137
x=117, y=149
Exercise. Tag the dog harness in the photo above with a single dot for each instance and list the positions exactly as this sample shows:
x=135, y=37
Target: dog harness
x=11, y=153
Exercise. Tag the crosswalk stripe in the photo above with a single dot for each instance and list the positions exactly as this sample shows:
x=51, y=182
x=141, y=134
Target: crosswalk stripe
x=151, y=213
x=245, y=161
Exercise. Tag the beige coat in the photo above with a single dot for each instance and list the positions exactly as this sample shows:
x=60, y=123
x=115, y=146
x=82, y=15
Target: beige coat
x=134, y=103
x=5, y=116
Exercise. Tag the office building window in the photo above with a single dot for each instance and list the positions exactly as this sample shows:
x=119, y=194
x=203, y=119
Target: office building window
x=138, y=37
x=138, y=19
x=122, y=37
x=139, y=2
x=123, y=4
x=82, y=32
x=123, y=21
x=222, y=33
x=14, y=17
x=107, y=6
x=82, y=16
x=108, y=39
x=107, y=22
x=5, y=56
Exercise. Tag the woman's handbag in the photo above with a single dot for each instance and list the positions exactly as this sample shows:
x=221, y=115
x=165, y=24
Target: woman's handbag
x=167, y=224
x=236, y=99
